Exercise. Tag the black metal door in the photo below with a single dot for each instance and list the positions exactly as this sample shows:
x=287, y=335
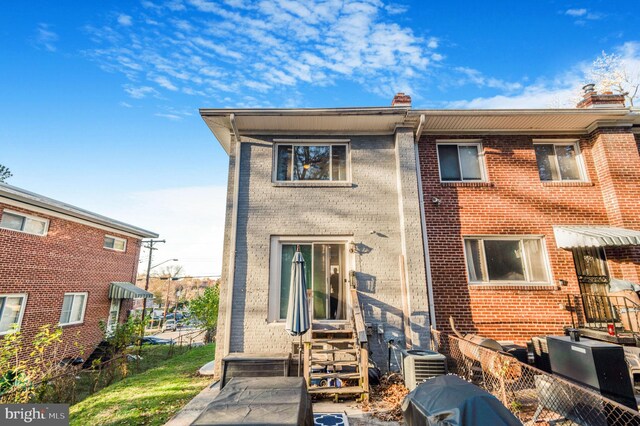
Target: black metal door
x=593, y=278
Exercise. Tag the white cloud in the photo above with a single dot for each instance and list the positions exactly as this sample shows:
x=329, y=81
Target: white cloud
x=140, y=92
x=172, y=117
x=45, y=38
x=125, y=20
x=126, y=105
x=576, y=12
x=164, y=82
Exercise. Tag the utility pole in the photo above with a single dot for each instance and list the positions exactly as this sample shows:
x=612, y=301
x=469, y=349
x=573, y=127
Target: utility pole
x=149, y=245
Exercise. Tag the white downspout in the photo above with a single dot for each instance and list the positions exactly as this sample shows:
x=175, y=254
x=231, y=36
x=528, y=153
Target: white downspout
x=232, y=242
x=425, y=241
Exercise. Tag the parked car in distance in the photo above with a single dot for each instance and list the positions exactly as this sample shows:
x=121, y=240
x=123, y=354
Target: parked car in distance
x=170, y=324
x=153, y=340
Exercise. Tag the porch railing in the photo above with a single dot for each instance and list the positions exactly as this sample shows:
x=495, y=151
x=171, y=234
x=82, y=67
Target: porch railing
x=615, y=314
x=362, y=342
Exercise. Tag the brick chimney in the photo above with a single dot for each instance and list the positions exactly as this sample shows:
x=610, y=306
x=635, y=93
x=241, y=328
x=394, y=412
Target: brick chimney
x=593, y=99
x=401, y=100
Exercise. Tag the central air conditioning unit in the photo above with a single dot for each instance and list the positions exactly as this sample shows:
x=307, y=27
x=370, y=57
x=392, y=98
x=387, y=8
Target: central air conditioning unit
x=421, y=365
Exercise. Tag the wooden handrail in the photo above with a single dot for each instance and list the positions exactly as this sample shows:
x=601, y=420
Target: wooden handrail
x=358, y=318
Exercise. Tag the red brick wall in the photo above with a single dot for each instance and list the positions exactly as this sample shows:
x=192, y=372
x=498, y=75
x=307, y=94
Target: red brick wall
x=70, y=258
x=514, y=202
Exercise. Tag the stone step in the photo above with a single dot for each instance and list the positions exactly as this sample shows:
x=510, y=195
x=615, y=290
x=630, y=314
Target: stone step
x=334, y=390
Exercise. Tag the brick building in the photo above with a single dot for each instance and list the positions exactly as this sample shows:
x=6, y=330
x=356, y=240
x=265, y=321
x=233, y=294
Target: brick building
x=62, y=265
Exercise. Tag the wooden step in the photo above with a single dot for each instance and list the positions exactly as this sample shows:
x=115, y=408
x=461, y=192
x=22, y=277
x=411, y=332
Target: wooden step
x=329, y=362
x=333, y=351
x=331, y=341
x=334, y=390
x=335, y=376
x=349, y=330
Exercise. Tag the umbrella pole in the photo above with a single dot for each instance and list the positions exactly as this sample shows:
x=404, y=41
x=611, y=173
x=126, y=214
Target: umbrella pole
x=300, y=356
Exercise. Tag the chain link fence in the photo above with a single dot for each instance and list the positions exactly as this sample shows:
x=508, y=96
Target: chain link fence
x=534, y=396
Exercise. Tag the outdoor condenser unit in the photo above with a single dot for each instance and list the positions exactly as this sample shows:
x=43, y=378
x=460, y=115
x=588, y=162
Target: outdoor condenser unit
x=420, y=365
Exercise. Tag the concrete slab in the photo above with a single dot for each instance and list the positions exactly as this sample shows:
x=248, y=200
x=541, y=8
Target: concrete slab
x=207, y=369
x=192, y=410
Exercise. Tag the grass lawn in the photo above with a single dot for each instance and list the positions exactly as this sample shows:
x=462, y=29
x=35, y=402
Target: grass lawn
x=147, y=398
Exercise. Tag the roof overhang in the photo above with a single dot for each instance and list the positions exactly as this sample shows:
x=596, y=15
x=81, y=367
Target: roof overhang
x=306, y=121
x=521, y=121
x=123, y=290
x=31, y=201
x=568, y=237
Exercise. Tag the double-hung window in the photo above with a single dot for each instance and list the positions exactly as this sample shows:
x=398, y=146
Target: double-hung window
x=559, y=161
x=11, y=312
x=504, y=260
x=115, y=243
x=461, y=161
x=312, y=162
x=24, y=223
x=73, y=307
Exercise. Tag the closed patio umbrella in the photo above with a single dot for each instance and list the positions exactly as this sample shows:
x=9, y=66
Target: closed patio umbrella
x=297, y=322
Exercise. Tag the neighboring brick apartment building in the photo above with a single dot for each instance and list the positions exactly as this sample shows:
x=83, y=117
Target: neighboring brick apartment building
x=62, y=265
x=512, y=198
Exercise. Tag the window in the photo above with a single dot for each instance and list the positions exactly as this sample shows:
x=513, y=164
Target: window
x=73, y=308
x=114, y=313
x=115, y=243
x=11, y=311
x=311, y=162
x=506, y=260
x=559, y=161
x=24, y=223
x=460, y=162
x=325, y=273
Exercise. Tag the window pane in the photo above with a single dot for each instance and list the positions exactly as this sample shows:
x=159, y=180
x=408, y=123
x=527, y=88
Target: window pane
x=11, y=221
x=119, y=244
x=66, y=309
x=288, y=250
x=470, y=163
x=76, y=308
x=311, y=163
x=35, y=226
x=109, y=242
x=9, y=312
x=339, y=162
x=320, y=253
x=568, y=162
x=535, y=260
x=449, y=167
x=474, y=260
x=546, y=163
x=504, y=260
x=284, y=162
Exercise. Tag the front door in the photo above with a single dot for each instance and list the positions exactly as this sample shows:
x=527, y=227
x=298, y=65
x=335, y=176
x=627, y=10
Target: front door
x=114, y=313
x=325, y=272
x=593, y=278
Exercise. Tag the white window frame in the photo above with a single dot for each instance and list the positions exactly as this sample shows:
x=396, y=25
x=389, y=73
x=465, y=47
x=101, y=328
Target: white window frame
x=563, y=142
x=28, y=217
x=311, y=142
x=519, y=238
x=84, y=307
x=112, y=325
x=275, y=264
x=20, y=315
x=114, y=245
x=463, y=142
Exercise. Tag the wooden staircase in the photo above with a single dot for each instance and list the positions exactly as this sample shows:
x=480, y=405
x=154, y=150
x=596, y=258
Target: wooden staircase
x=336, y=361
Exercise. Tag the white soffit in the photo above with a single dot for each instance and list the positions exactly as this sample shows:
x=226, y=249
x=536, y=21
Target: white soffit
x=594, y=236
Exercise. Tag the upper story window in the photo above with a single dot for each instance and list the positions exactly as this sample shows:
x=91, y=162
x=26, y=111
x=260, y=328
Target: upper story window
x=115, y=243
x=11, y=311
x=461, y=161
x=503, y=260
x=73, y=307
x=24, y=223
x=311, y=162
x=559, y=161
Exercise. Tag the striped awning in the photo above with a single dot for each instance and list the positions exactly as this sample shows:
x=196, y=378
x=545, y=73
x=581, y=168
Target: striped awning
x=594, y=236
x=127, y=291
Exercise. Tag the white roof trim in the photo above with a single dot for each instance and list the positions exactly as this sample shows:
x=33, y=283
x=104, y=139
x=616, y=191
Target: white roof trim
x=594, y=236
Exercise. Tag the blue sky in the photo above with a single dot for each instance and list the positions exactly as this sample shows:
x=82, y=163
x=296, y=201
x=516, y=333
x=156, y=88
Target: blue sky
x=100, y=98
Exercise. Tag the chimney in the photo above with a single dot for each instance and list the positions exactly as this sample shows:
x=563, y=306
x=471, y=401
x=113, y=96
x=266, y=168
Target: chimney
x=401, y=100
x=593, y=99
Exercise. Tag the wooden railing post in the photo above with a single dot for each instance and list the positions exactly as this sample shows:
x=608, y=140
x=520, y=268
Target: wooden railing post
x=306, y=362
x=364, y=371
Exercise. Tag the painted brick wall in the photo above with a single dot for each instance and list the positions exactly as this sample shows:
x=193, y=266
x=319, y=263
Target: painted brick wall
x=370, y=204
x=516, y=202
x=70, y=258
